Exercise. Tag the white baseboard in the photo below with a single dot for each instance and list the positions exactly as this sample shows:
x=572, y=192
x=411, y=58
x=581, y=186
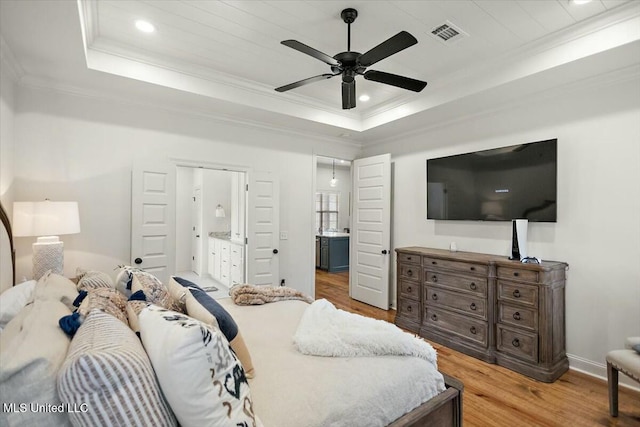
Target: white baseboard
x=599, y=370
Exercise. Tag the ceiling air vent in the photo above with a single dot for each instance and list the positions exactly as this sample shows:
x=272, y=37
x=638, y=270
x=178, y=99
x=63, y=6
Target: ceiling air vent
x=448, y=33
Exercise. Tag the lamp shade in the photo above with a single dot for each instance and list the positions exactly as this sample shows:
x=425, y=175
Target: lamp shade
x=45, y=218
x=220, y=213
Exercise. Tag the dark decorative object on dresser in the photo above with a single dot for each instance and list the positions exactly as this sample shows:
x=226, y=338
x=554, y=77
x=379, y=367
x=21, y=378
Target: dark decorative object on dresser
x=486, y=306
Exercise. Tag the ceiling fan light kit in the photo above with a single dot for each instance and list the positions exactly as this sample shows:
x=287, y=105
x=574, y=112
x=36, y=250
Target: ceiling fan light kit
x=350, y=64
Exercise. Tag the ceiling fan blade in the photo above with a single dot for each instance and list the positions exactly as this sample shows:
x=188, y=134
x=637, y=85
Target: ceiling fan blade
x=349, y=95
x=395, y=44
x=301, y=47
x=304, y=82
x=395, y=80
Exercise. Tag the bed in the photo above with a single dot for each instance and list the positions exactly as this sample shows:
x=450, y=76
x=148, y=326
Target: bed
x=293, y=389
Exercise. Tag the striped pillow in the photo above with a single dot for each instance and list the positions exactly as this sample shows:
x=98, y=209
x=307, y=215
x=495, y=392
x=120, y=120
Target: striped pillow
x=88, y=280
x=108, y=373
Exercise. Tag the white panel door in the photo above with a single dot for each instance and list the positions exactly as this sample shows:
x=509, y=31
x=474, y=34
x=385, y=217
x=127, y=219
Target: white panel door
x=153, y=195
x=370, y=253
x=263, y=229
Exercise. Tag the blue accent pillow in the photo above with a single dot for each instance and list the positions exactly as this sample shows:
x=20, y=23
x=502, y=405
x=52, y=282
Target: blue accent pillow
x=227, y=325
x=636, y=348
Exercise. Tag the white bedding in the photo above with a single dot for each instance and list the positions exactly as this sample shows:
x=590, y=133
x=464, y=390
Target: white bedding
x=292, y=389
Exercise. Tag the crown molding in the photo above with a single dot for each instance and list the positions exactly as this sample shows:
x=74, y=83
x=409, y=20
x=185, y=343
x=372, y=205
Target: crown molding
x=9, y=62
x=29, y=81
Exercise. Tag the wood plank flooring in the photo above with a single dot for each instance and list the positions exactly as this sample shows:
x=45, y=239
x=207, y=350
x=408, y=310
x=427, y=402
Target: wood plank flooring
x=496, y=396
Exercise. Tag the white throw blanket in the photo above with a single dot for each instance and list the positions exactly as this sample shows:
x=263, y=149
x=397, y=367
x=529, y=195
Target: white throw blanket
x=325, y=330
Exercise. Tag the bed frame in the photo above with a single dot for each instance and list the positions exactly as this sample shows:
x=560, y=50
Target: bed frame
x=444, y=410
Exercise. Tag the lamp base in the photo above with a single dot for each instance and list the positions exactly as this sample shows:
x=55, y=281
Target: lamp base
x=48, y=255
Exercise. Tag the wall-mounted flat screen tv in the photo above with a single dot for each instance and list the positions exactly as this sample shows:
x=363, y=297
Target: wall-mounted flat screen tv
x=502, y=184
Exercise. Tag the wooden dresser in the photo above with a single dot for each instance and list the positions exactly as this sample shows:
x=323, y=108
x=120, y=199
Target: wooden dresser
x=486, y=306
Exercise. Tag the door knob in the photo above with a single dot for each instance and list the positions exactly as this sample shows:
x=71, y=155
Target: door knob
x=384, y=252
x=275, y=251
x=138, y=260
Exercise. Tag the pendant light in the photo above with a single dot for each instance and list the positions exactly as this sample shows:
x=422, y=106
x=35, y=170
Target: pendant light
x=334, y=181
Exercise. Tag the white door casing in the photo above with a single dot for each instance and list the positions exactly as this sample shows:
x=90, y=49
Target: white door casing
x=263, y=229
x=153, y=217
x=196, y=232
x=370, y=252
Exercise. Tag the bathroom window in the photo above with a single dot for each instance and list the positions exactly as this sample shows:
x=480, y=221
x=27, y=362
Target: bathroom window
x=327, y=211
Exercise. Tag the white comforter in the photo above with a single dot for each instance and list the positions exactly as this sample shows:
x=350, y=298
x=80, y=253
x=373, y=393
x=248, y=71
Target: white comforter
x=326, y=331
x=293, y=389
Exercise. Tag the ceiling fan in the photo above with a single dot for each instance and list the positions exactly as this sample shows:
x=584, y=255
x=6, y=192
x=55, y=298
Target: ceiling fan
x=350, y=64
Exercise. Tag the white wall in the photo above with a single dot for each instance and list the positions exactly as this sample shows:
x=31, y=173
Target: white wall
x=81, y=148
x=7, y=108
x=324, y=173
x=598, y=227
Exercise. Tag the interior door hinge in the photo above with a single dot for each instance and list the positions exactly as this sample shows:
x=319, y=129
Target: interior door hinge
x=246, y=240
x=194, y=199
x=246, y=187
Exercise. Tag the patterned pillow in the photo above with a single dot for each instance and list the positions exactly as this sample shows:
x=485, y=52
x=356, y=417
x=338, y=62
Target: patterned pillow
x=108, y=372
x=203, y=307
x=154, y=290
x=92, y=280
x=196, y=369
x=124, y=279
x=136, y=302
x=107, y=300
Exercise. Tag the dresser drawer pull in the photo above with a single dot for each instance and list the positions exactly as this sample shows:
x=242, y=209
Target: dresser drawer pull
x=434, y=263
x=434, y=317
x=409, y=273
x=409, y=289
x=408, y=258
x=434, y=278
x=434, y=297
x=473, y=286
x=473, y=306
x=515, y=342
x=473, y=330
x=473, y=269
x=516, y=315
x=515, y=273
x=516, y=293
x=409, y=308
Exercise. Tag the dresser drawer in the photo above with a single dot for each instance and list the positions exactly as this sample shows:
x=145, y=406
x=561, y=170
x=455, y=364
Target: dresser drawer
x=409, y=272
x=465, y=303
x=475, y=285
x=471, y=329
x=409, y=309
x=481, y=269
x=520, y=317
x=518, y=274
x=523, y=345
x=518, y=293
x=409, y=258
x=410, y=290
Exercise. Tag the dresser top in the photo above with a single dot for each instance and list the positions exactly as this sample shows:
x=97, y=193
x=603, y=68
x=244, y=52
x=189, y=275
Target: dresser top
x=481, y=258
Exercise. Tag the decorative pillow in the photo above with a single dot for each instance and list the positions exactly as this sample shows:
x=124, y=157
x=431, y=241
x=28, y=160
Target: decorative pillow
x=199, y=374
x=636, y=348
x=135, y=304
x=57, y=287
x=206, y=309
x=108, y=371
x=107, y=300
x=154, y=290
x=92, y=279
x=32, y=349
x=178, y=292
x=124, y=279
x=14, y=299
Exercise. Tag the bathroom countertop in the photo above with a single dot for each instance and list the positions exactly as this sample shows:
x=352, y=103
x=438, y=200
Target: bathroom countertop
x=333, y=234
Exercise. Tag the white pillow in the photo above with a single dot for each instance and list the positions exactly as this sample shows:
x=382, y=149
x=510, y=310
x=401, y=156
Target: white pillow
x=198, y=372
x=13, y=300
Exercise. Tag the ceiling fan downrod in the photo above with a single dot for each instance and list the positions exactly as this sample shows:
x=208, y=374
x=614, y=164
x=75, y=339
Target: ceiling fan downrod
x=348, y=16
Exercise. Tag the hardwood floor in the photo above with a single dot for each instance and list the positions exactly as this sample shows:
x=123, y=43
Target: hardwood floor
x=496, y=396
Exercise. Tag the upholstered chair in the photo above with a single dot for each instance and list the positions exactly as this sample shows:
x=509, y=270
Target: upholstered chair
x=626, y=361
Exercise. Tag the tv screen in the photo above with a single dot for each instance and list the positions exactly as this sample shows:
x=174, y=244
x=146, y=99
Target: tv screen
x=502, y=184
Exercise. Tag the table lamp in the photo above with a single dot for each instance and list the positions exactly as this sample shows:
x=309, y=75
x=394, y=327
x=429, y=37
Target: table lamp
x=46, y=220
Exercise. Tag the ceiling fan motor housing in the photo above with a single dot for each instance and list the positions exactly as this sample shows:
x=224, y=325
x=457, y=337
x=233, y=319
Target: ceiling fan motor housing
x=349, y=15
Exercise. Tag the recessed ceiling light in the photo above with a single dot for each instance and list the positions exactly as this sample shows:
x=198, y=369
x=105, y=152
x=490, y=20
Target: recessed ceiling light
x=580, y=1
x=364, y=98
x=145, y=26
